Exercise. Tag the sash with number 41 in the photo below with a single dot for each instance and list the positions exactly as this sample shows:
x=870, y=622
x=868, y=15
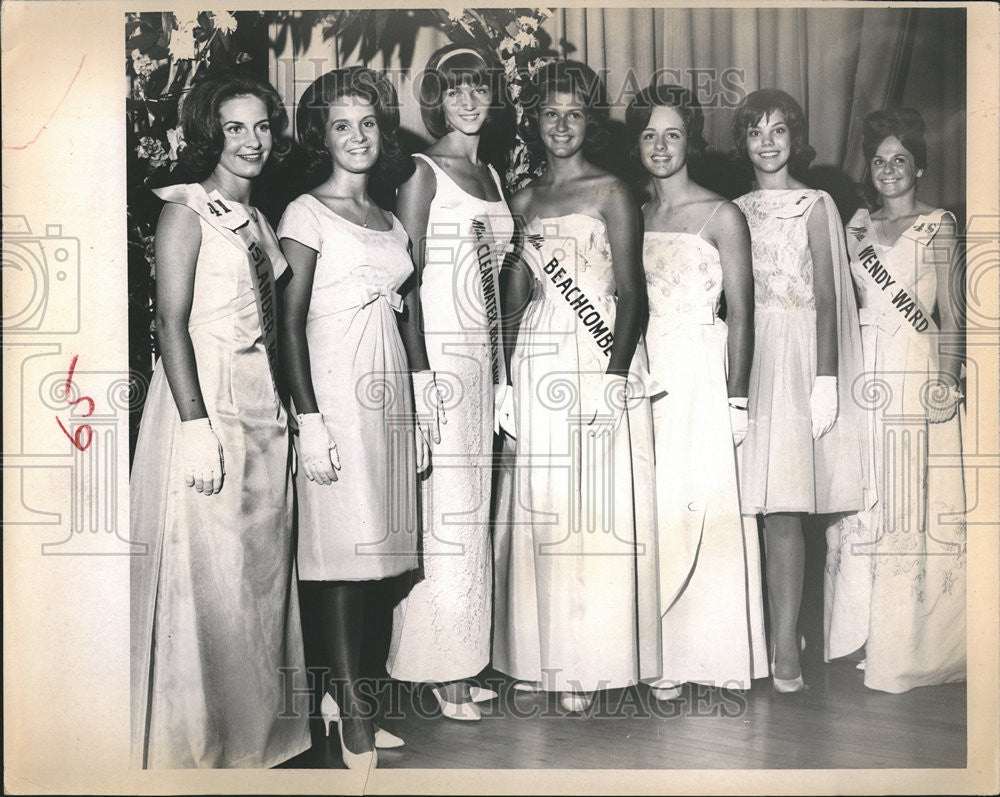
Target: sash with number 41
x=230, y=219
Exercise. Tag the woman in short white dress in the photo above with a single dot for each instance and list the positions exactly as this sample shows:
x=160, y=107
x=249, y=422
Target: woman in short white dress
x=348, y=376
x=805, y=449
x=696, y=247
x=459, y=227
x=896, y=572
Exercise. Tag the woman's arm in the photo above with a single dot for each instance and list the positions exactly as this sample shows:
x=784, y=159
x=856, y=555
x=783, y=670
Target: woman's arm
x=292, y=325
x=413, y=206
x=515, y=283
x=178, y=240
x=731, y=236
x=624, y=236
x=944, y=248
x=824, y=290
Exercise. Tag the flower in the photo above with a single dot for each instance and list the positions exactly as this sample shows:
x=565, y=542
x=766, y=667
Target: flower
x=182, y=46
x=524, y=39
x=224, y=21
x=455, y=16
x=152, y=149
x=527, y=23
x=175, y=137
x=143, y=65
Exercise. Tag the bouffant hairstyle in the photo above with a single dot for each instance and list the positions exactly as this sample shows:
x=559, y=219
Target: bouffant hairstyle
x=666, y=95
x=566, y=77
x=453, y=66
x=763, y=103
x=906, y=124
x=312, y=116
x=204, y=138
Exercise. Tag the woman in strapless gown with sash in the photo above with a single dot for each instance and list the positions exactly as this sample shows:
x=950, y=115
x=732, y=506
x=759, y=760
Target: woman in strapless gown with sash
x=576, y=608
x=695, y=246
x=896, y=572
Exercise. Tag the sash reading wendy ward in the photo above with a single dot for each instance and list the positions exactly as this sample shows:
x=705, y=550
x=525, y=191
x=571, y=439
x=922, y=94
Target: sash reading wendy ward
x=895, y=299
x=229, y=218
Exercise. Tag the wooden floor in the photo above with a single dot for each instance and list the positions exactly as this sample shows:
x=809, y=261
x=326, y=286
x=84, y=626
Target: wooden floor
x=837, y=723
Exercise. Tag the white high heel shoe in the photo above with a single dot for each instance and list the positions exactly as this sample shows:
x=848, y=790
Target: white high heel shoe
x=367, y=760
x=330, y=712
x=787, y=686
x=465, y=712
x=481, y=695
x=575, y=702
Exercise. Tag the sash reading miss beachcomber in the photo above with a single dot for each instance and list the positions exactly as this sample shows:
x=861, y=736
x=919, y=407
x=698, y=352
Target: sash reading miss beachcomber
x=231, y=220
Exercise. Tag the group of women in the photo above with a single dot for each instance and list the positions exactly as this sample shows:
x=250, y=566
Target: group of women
x=608, y=536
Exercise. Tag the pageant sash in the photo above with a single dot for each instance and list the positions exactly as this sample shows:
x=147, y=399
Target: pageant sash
x=600, y=335
x=489, y=275
x=895, y=302
x=229, y=219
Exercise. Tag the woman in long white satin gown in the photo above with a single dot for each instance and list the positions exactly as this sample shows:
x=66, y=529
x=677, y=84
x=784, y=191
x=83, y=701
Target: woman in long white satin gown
x=696, y=247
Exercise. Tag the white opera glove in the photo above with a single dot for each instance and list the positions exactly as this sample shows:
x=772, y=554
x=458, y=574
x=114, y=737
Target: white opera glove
x=823, y=405
x=422, y=448
x=428, y=405
x=503, y=410
x=739, y=418
x=943, y=399
x=605, y=415
x=201, y=456
x=317, y=449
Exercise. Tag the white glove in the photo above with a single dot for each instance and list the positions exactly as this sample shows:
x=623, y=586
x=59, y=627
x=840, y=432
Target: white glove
x=503, y=410
x=201, y=456
x=423, y=450
x=428, y=406
x=317, y=450
x=605, y=416
x=823, y=405
x=739, y=419
x=943, y=399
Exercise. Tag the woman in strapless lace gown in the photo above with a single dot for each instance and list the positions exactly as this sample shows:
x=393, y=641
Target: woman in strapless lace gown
x=575, y=542
x=696, y=246
x=806, y=445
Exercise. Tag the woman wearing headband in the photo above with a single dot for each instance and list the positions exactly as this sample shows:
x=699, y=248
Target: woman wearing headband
x=216, y=639
x=896, y=572
x=459, y=226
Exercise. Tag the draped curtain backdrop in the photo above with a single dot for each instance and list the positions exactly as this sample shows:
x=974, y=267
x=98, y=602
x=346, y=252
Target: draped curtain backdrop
x=840, y=63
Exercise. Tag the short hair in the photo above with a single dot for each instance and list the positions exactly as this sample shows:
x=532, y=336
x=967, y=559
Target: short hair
x=457, y=65
x=312, y=115
x=762, y=103
x=568, y=77
x=666, y=95
x=204, y=137
x=906, y=124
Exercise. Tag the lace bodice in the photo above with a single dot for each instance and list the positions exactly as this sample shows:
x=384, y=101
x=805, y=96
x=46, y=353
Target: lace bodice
x=782, y=262
x=683, y=274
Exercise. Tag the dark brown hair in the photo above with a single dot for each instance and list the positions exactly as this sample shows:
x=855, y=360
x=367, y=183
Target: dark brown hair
x=763, y=103
x=203, y=135
x=312, y=116
x=569, y=77
x=906, y=124
x=470, y=66
x=666, y=95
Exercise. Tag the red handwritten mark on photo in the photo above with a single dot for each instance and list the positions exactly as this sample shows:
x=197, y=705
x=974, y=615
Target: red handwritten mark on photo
x=84, y=434
x=51, y=116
